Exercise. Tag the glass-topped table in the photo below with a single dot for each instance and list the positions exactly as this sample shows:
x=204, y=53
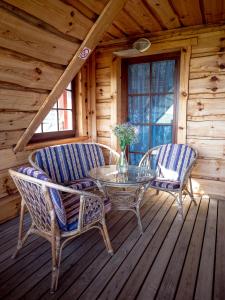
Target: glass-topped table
x=125, y=189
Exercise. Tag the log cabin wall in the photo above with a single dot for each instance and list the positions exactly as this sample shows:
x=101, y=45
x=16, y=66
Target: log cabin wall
x=201, y=116
x=31, y=63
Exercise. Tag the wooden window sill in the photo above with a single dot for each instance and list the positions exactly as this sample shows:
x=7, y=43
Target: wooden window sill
x=34, y=146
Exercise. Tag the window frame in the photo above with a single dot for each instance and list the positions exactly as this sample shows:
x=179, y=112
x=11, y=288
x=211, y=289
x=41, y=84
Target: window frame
x=150, y=59
x=62, y=134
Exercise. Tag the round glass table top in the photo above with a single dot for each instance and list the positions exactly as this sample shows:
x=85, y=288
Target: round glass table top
x=111, y=175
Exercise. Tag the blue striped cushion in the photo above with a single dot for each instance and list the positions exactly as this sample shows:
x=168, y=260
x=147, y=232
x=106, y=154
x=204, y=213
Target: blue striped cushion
x=54, y=194
x=72, y=206
x=82, y=184
x=170, y=185
x=69, y=162
x=173, y=161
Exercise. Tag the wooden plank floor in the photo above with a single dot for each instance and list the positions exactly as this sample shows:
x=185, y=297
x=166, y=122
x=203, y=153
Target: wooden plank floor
x=175, y=258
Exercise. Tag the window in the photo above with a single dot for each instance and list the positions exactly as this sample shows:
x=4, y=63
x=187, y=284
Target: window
x=59, y=123
x=151, y=98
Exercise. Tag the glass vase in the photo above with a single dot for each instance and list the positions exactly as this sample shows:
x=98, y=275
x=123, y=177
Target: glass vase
x=122, y=164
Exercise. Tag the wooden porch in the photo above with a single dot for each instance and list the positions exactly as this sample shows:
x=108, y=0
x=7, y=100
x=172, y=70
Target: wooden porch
x=172, y=260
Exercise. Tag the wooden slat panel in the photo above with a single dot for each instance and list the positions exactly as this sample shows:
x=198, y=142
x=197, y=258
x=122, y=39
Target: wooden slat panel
x=208, y=63
x=103, y=109
x=209, y=84
x=95, y=5
x=210, y=42
x=209, y=187
x=142, y=15
x=183, y=94
x=207, y=96
x=206, y=128
x=7, y=187
x=219, y=287
x=15, y=120
x=197, y=75
x=206, y=108
x=103, y=61
x=9, y=159
x=16, y=34
x=157, y=270
x=164, y=12
x=9, y=207
x=82, y=8
x=204, y=285
x=189, y=12
x=209, y=169
x=170, y=280
x=213, y=10
x=61, y=16
x=104, y=140
x=9, y=138
x=103, y=134
x=20, y=100
x=103, y=92
x=124, y=22
x=209, y=148
x=103, y=76
x=103, y=125
x=91, y=96
x=186, y=287
x=27, y=72
x=115, y=32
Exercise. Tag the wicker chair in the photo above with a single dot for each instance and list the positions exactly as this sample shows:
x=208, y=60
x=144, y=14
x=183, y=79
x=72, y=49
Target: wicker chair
x=58, y=213
x=173, y=164
x=69, y=164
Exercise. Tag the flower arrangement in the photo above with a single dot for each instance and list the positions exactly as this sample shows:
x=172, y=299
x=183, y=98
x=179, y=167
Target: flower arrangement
x=126, y=133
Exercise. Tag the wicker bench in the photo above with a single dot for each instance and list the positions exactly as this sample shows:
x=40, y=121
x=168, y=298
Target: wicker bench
x=69, y=164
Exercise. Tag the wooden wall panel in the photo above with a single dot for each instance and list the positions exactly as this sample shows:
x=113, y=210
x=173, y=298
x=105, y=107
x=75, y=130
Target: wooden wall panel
x=20, y=100
x=17, y=34
x=8, y=159
x=201, y=109
x=7, y=187
x=59, y=15
x=9, y=207
x=27, y=72
x=215, y=169
x=210, y=148
x=9, y=138
x=15, y=120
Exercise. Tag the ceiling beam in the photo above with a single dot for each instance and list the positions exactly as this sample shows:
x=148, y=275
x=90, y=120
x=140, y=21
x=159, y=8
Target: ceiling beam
x=105, y=19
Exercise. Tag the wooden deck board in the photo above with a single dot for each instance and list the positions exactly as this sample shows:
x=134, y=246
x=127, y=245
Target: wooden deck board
x=173, y=259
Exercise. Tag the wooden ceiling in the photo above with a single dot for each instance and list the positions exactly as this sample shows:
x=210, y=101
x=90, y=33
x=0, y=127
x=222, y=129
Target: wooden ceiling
x=146, y=16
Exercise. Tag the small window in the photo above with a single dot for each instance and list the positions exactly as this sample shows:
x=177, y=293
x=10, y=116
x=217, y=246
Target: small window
x=59, y=123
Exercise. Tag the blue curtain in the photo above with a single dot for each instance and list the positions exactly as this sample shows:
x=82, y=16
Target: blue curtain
x=151, y=104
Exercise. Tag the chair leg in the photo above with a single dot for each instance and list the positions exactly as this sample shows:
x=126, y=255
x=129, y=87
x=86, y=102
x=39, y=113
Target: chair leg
x=139, y=220
x=190, y=193
x=180, y=204
x=56, y=257
x=21, y=239
x=104, y=232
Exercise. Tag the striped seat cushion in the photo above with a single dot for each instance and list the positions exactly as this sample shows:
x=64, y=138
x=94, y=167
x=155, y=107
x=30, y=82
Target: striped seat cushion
x=82, y=184
x=165, y=184
x=69, y=162
x=173, y=160
x=54, y=194
x=72, y=206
